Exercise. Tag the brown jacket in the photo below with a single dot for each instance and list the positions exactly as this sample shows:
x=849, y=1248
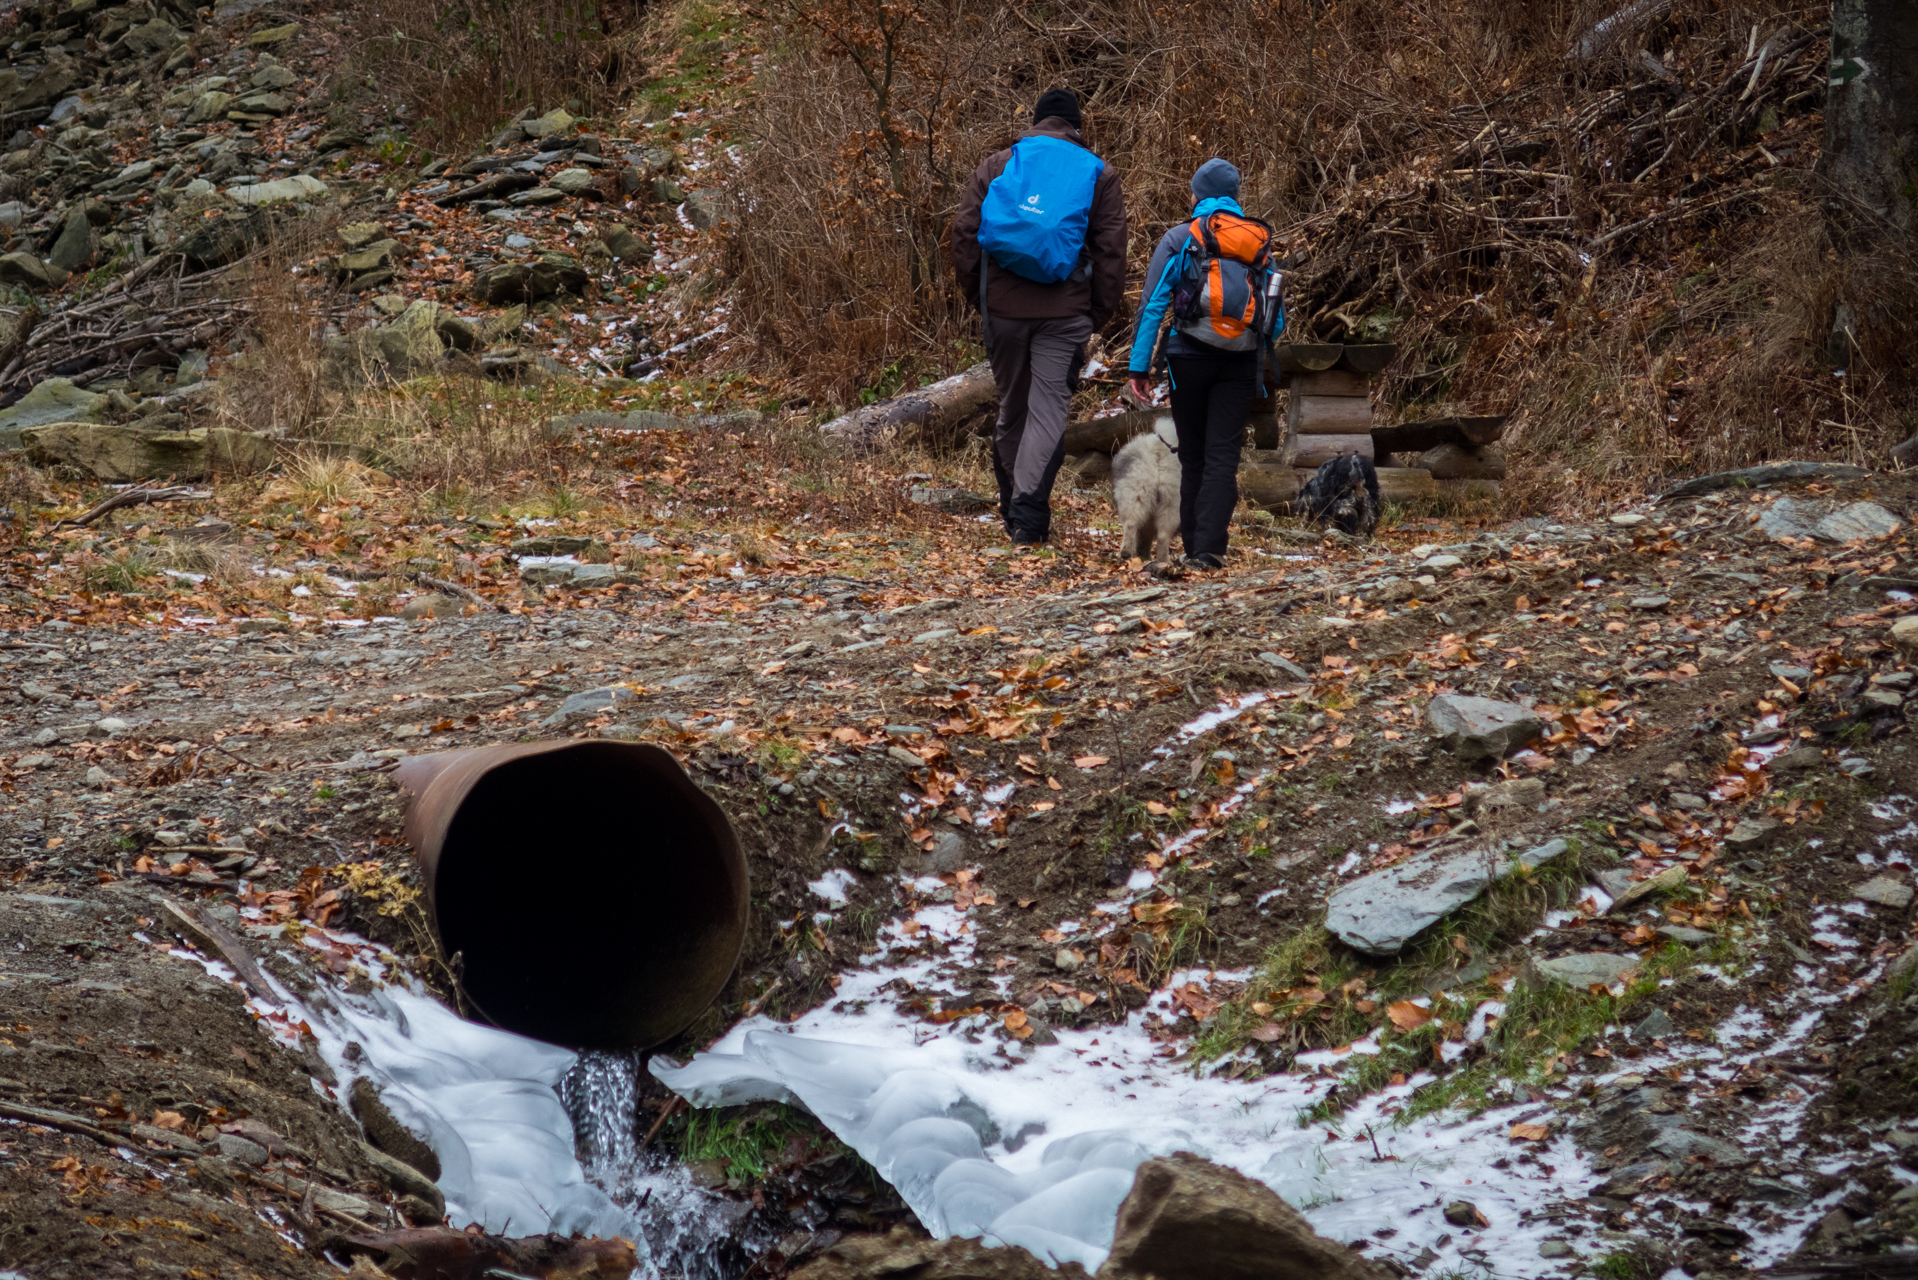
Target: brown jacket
x=1018, y=298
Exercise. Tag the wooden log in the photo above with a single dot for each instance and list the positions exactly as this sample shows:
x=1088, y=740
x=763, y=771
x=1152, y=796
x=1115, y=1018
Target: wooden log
x=1455, y=462
x=1429, y=433
x=1306, y=357
x=1107, y=435
x=1367, y=358
x=1328, y=415
x=1314, y=451
x=1333, y=382
x=926, y=414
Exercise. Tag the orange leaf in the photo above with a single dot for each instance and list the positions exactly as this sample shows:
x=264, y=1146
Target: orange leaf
x=1090, y=762
x=1530, y=1132
x=1153, y=912
x=1407, y=1016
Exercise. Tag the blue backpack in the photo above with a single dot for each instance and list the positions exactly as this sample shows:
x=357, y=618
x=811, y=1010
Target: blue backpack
x=1034, y=217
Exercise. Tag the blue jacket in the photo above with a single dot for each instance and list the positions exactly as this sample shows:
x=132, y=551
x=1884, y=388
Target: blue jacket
x=1159, y=288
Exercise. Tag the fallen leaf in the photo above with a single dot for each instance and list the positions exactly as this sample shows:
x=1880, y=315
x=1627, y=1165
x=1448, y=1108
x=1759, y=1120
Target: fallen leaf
x=1266, y=1032
x=1153, y=912
x=1530, y=1132
x=1090, y=762
x=1407, y=1016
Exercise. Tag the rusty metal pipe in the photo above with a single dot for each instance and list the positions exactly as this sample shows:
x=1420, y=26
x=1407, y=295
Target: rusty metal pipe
x=595, y=895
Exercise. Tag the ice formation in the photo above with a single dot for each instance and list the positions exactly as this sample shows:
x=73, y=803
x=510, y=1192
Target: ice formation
x=484, y=1100
x=927, y=1135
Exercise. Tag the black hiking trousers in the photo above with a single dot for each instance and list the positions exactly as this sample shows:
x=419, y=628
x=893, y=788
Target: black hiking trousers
x=1211, y=398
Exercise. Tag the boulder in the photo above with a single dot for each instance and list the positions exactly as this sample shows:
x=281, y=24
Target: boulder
x=273, y=35
x=555, y=122
x=270, y=78
x=149, y=38
x=271, y=105
x=1381, y=912
x=211, y=105
x=707, y=208
x=586, y=705
x=904, y=1255
x=1904, y=632
x=299, y=186
x=1190, y=1219
x=123, y=454
x=1479, y=728
x=529, y=282
x=1802, y=518
x=624, y=245
x=1586, y=969
x=77, y=243
x=1884, y=891
x=358, y=235
x=573, y=182
x=30, y=272
x=55, y=400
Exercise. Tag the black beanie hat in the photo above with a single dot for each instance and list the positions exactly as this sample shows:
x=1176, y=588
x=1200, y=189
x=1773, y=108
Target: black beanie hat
x=1063, y=103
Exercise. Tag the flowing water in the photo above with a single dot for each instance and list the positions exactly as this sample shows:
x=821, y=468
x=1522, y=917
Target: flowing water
x=692, y=1234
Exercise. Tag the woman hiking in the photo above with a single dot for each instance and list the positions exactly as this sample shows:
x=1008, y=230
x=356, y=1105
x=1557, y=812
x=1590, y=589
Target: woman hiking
x=1214, y=275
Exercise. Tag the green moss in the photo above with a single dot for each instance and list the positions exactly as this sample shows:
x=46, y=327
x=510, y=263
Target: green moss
x=752, y=1140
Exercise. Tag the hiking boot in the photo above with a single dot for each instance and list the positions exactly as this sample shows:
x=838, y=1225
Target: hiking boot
x=1205, y=562
x=1028, y=540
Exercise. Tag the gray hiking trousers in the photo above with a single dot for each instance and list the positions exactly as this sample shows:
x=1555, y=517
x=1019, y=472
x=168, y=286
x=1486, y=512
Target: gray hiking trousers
x=1031, y=362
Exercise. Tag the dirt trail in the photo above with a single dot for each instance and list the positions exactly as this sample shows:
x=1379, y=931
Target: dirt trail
x=895, y=735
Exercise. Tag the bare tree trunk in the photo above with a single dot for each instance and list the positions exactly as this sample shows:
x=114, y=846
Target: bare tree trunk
x=1871, y=113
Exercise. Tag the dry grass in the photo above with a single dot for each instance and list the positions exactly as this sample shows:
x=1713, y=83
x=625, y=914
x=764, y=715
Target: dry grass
x=463, y=66
x=1632, y=262
x=314, y=480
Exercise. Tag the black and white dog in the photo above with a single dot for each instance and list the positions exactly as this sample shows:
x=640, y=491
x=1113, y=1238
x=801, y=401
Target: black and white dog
x=1344, y=493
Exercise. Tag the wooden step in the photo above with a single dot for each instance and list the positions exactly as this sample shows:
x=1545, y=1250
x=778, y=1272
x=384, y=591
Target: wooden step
x=1328, y=415
x=1313, y=451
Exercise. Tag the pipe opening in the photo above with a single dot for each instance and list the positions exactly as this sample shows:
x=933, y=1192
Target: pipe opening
x=595, y=895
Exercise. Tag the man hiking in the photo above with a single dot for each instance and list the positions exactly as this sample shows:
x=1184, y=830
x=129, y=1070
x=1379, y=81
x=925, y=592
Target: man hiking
x=1215, y=276
x=1039, y=248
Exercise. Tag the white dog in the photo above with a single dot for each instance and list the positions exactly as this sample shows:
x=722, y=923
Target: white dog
x=1145, y=490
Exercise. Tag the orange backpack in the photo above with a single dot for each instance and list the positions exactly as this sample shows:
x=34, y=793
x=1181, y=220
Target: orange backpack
x=1227, y=293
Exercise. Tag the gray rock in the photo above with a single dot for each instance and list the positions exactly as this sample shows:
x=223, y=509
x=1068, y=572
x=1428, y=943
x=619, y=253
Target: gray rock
x=210, y=105
x=1856, y=520
x=269, y=78
x=572, y=182
x=947, y=854
x=624, y=245
x=707, y=208
x=1681, y=1144
x=261, y=626
x=1651, y=603
x=300, y=186
x=1689, y=801
x=1379, y=913
x=555, y=122
x=935, y=635
x=1515, y=795
x=585, y=705
x=1479, y=728
x=1751, y=833
x=1686, y=934
x=121, y=454
x=1556, y=1248
x=1586, y=969
x=1888, y=699
x=1442, y=563
x=1289, y=667
x=55, y=400
x=1884, y=891
x=240, y=1150
x=1654, y=1025
x=30, y=271
x=1797, y=758
x=536, y=197
x=1800, y=518
x=112, y=726
x=1800, y=676
x=77, y=243
x=261, y=104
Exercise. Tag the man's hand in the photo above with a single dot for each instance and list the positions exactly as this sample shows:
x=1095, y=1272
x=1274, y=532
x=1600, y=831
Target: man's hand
x=1140, y=387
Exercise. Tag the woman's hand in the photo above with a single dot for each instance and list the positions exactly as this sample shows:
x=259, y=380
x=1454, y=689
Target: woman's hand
x=1140, y=387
